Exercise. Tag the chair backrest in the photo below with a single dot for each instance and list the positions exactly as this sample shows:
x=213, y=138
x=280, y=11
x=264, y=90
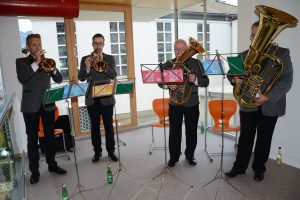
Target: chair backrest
x=215, y=109
x=56, y=114
x=161, y=108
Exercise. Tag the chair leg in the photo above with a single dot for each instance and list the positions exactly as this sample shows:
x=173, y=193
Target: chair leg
x=153, y=142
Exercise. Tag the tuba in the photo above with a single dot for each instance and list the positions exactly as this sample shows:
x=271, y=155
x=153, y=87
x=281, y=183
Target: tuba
x=47, y=65
x=262, y=67
x=181, y=94
x=97, y=61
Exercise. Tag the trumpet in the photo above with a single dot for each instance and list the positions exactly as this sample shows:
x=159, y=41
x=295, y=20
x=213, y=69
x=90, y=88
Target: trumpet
x=97, y=61
x=47, y=65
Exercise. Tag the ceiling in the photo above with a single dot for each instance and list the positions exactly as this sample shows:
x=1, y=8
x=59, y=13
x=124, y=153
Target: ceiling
x=157, y=4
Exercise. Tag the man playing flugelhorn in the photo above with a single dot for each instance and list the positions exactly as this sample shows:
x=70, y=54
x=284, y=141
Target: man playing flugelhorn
x=96, y=67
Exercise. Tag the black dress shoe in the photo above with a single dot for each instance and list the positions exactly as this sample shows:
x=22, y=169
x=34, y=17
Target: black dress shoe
x=113, y=156
x=96, y=157
x=57, y=170
x=192, y=161
x=233, y=173
x=34, y=179
x=258, y=176
x=172, y=162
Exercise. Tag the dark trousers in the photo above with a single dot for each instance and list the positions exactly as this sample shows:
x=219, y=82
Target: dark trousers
x=32, y=129
x=106, y=112
x=252, y=123
x=191, y=116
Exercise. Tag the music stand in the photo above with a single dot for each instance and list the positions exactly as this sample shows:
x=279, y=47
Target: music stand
x=71, y=89
x=123, y=86
x=163, y=77
x=220, y=175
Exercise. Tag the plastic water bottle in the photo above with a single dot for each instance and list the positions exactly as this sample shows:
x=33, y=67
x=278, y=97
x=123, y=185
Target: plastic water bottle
x=279, y=156
x=64, y=192
x=109, y=175
x=202, y=128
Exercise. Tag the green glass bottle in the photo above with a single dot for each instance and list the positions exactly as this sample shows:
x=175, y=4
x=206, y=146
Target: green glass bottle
x=64, y=192
x=109, y=175
x=279, y=156
x=202, y=128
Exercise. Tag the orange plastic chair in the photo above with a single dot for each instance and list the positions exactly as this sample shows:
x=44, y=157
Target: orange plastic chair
x=161, y=109
x=229, y=109
x=57, y=132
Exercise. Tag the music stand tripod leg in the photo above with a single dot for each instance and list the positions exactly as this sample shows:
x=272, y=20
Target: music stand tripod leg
x=117, y=173
x=166, y=170
x=220, y=175
x=79, y=189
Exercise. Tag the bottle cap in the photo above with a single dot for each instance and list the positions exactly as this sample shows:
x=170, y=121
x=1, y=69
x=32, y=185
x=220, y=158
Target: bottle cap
x=279, y=147
x=64, y=185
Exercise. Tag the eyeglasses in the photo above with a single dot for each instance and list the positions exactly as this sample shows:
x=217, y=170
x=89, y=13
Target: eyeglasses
x=98, y=43
x=179, y=50
x=251, y=36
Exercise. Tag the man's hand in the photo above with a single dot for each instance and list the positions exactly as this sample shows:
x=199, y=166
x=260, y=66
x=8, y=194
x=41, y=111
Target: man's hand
x=88, y=61
x=172, y=87
x=192, y=78
x=38, y=56
x=261, y=99
x=237, y=80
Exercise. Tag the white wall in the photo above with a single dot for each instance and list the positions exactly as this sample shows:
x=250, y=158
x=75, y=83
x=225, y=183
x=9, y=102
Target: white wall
x=286, y=132
x=10, y=49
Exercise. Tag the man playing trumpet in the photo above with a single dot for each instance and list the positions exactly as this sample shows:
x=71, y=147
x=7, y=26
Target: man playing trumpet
x=99, y=66
x=35, y=81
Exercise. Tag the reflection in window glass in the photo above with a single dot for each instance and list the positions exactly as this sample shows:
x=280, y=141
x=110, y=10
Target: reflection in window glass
x=60, y=26
x=160, y=47
x=61, y=39
x=199, y=27
x=113, y=26
x=114, y=38
x=121, y=27
x=124, y=69
x=161, y=57
x=160, y=37
x=200, y=37
x=123, y=48
x=63, y=62
x=160, y=26
x=62, y=51
x=168, y=27
x=122, y=37
x=123, y=59
x=168, y=56
x=114, y=48
x=169, y=47
x=168, y=37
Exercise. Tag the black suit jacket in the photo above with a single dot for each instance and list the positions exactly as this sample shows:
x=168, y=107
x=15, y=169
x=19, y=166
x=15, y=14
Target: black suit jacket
x=34, y=85
x=92, y=76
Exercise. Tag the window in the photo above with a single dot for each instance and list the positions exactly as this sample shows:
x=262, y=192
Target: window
x=118, y=46
x=200, y=37
x=62, y=50
x=164, y=41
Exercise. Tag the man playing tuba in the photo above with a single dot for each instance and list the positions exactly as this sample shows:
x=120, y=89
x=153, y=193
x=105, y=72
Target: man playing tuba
x=189, y=109
x=262, y=119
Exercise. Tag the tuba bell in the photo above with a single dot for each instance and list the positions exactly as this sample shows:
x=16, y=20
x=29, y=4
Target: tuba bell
x=97, y=61
x=262, y=67
x=181, y=94
x=47, y=65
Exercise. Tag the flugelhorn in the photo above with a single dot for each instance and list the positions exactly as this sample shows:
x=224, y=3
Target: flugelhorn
x=97, y=61
x=47, y=65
